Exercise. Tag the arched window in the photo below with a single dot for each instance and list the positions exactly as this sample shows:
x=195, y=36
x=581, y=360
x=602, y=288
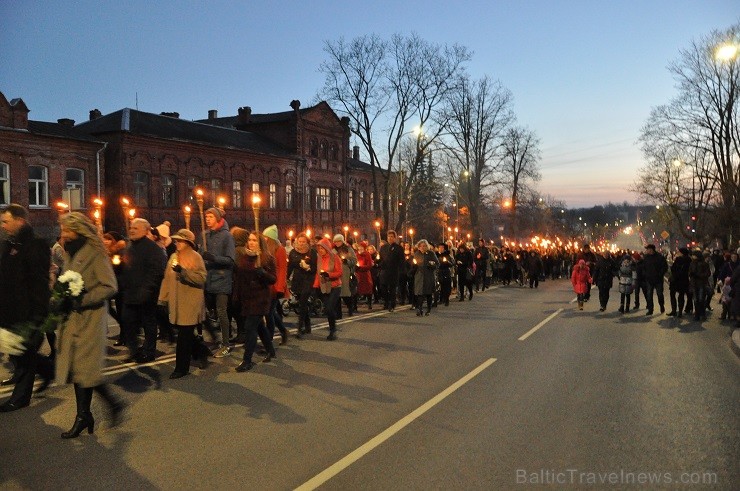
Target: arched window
x=236, y=194
x=169, y=191
x=333, y=151
x=141, y=189
x=313, y=147
x=288, y=196
x=323, y=150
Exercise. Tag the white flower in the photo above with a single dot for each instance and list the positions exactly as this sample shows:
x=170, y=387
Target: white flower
x=11, y=343
x=74, y=282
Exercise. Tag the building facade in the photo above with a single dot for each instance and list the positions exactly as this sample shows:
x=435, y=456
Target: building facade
x=298, y=162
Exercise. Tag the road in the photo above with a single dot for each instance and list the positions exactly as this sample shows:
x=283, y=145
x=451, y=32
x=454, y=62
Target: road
x=511, y=390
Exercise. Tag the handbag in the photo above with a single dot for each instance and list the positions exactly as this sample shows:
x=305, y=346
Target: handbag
x=469, y=274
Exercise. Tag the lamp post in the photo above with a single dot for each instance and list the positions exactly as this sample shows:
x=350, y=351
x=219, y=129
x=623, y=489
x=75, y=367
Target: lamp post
x=187, y=211
x=256, y=200
x=377, y=227
x=98, y=213
x=199, y=199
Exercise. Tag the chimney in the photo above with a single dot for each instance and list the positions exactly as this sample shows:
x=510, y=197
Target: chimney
x=95, y=114
x=212, y=114
x=356, y=152
x=171, y=115
x=295, y=104
x=245, y=115
x=66, y=122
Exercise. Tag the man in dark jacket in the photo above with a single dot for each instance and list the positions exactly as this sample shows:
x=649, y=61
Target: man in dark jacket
x=219, y=255
x=679, y=282
x=699, y=279
x=603, y=276
x=654, y=268
x=141, y=277
x=24, y=297
x=391, y=260
x=481, y=257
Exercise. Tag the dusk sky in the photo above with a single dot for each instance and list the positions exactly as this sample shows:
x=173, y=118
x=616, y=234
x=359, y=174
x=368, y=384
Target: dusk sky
x=584, y=74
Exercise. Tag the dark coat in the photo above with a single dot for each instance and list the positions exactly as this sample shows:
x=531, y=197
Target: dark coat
x=654, y=268
x=301, y=279
x=735, y=284
x=221, y=245
x=445, y=264
x=142, y=272
x=699, y=273
x=251, y=290
x=391, y=259
x=425, y=280
x=604, y=272
x=680, y=274
x=24, y=278
x=463, y=261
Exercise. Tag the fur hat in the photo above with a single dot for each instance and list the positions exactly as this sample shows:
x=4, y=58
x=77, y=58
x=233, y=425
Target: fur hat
x=325, y=244
x=271, y=232
x=241, y=236
x=338, y=238
x=215, y=212
x=185, y=235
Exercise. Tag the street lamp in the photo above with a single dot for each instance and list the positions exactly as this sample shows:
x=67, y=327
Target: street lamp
x=256, y=200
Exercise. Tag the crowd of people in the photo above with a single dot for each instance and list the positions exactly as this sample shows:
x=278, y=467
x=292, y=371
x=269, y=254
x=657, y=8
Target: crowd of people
x=231, y=284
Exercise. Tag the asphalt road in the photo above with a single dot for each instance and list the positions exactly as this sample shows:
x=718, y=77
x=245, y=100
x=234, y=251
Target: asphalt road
x=512, y=390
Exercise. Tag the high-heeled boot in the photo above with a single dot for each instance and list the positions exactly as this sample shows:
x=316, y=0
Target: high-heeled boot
x=115, y=405
x=84, y=419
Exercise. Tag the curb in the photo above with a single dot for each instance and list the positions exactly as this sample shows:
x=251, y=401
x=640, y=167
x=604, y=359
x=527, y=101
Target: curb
x=735, y=341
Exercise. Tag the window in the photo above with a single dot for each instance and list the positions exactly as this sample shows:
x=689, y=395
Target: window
x=372, y=201
x=74, y=185
x=361, y=203
x=215, y=191
x=313, y=147
x=351, y=201
x=272, y=200
x=288, y=196
x=4, y=184
x=307, y=199
x=333, y=152
x=323, y=149
x=38, y=186
x=236, y=194
x=141, y=189
x=323, y=198
x=169, y=191
x=337, y=199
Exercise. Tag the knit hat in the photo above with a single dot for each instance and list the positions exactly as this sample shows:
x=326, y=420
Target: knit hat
x=241, y=236
x=164, y=232
x=215, y=212
x=338, y=238
x=185, y=235
x=271, y=232
x=325, y=244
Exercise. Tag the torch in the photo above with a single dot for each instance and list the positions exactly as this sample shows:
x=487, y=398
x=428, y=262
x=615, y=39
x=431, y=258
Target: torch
x=256, y=210
x=199, y=199
x=98, y=213
x=187, y=212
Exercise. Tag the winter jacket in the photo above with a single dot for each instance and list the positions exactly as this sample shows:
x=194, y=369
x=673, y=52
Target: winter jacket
x=680, y=274
x=220, y=269
x=183, y=292
x=142, y=272
x=581, y=278
x=654, y=268
x=81, y=339
x=425, y=266
x=699, y=273
x=251, y=292
x=301, y=280
x=364, y=273
x=627, y=275
x=349, y=261
x=604, y=271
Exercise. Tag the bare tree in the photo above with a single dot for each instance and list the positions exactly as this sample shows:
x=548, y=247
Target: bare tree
x=477, y=117
x=699, y=129
x=386, y=86
x=519, y=166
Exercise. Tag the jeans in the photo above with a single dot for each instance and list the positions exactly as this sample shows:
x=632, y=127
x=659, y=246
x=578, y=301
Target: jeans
x=254, y=326
x=658, y=289
x=220, y=302
x=700, y=305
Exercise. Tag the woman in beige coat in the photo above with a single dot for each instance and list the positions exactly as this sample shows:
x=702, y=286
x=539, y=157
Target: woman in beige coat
x=81, y=338
x=182, y=293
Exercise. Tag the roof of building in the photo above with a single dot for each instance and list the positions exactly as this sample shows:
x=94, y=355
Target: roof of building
x=142, y=123
x=60, y=130
x=359, y=165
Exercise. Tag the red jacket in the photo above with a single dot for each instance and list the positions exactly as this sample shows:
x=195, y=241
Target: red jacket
x=581, y=278
x=281, y=272
x=334, y=273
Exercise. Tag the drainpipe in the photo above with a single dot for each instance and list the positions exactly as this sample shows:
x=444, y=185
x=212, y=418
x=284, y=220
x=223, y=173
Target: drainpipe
x=97, y=165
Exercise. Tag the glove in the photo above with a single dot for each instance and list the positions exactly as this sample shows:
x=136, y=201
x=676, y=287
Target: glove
x=260, y=272
x=324, y=274
x=209, y=256
x=176, y=268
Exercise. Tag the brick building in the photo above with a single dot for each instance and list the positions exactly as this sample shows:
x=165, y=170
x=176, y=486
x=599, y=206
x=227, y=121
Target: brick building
x=298, y=161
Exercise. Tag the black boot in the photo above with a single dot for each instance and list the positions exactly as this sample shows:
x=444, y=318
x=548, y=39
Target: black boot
x=84, y=419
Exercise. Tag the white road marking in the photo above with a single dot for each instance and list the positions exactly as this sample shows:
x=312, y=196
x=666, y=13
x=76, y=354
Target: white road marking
x=354, y=456
x=535, y=328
